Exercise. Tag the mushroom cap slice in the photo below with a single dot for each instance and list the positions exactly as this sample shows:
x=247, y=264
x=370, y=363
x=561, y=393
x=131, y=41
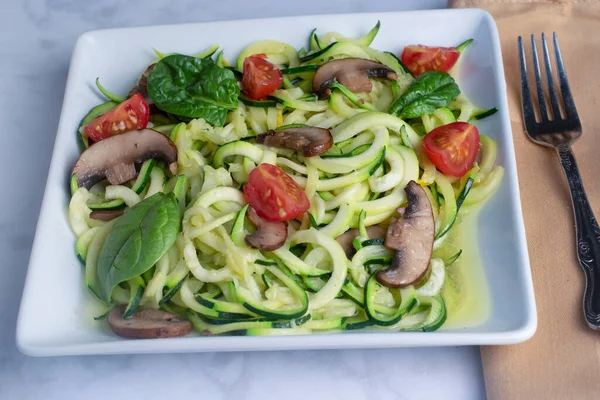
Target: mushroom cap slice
x=106, y=215
x=346, y=238
x=353, y=73
x=269, y=235
x=147, y=324
x=142, y=85
x=412, y=237
x=310, y=140
x=114, y=158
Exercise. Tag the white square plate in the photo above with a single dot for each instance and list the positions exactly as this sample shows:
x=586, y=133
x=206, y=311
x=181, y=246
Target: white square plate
x=56, y=309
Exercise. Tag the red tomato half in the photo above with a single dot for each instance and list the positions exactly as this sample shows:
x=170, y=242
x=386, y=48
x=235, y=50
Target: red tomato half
x=260, y=78
x=131, y=114
x=274, y=194
x=453, y=147
x=423, y=58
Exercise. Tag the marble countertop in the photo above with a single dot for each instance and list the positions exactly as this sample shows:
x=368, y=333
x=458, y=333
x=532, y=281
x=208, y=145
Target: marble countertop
x=36, y=41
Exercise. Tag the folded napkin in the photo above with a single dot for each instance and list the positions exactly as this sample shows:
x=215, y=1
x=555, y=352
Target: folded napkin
x=562, y=360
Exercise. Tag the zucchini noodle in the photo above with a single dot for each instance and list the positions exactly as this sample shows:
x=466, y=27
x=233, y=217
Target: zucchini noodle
x=213, y=278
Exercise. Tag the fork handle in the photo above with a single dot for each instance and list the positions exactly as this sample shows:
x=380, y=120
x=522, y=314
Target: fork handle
x=588, y=237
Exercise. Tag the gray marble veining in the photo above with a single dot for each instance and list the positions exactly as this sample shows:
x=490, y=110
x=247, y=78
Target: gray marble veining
x=36, y=40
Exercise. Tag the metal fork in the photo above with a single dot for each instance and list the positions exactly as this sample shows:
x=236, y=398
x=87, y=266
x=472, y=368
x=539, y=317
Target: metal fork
x=559, y=133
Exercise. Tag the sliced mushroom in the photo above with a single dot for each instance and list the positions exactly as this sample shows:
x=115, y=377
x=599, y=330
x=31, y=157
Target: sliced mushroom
x=114, y=158
x=142, y=86
x=354, y=73
x=412, y=237
x=106, y=215
x=269, y=235
x=147, y=324
x=310, y=140
x=346, y=238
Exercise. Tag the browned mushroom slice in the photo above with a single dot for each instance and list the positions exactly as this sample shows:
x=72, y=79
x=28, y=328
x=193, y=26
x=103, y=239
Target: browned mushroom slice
x=310, y=140
x=354, y=73
x=412, y=237
x=142, y=86
x=269, y=235
x=106, y=215
x=147, y=324
x=114, y=158
x=346, y=238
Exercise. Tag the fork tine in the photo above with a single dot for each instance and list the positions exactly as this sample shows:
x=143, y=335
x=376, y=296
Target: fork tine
x=551, y=90
x=570, y=110
x=538, y=81
x=526, y=101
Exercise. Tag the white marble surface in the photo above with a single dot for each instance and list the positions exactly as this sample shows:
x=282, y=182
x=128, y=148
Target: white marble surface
x=36, y=40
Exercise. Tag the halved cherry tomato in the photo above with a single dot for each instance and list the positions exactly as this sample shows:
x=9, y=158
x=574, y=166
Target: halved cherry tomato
x=421, y=58
x=260, y=78
x=131, y=114
x=274, y=194
x=453, y=147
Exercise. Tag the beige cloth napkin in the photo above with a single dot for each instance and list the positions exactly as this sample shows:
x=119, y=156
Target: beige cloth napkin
x=562, y=360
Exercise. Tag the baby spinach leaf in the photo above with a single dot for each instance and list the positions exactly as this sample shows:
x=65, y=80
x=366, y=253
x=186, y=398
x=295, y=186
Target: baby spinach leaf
x=194, y=88
x=138, y=239
x=428, y=92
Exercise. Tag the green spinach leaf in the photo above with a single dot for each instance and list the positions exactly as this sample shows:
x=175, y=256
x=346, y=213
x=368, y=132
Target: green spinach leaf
x=428, y=92
x=194, y=88
x=138, y=239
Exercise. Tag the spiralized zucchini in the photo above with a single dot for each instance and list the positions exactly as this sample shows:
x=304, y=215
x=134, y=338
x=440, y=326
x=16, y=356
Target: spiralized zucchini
x=223, y=286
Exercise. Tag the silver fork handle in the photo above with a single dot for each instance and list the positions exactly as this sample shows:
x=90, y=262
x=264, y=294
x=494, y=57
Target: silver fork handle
x=588, y=237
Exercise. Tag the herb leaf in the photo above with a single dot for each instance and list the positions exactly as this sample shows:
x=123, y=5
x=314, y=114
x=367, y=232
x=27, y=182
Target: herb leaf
x=428, y=92
x=194, y=88
x=138, y=239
